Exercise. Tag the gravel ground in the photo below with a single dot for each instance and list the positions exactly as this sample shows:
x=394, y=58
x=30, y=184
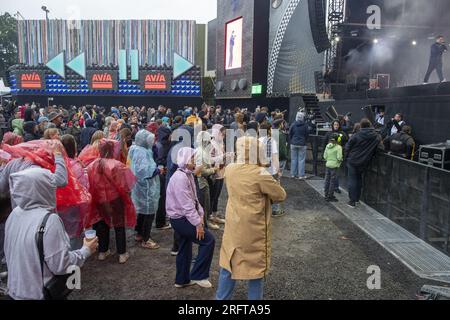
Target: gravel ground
x=317, y=254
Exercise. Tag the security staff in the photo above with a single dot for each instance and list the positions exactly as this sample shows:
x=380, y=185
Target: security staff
x=401, y=144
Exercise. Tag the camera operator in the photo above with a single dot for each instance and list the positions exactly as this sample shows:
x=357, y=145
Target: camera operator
x=401, y=144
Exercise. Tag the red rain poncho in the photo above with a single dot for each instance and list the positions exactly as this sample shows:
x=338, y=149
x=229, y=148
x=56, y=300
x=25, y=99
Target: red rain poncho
x=110, y=184
x=91, y=152
x=73, y=195
x=10, y=138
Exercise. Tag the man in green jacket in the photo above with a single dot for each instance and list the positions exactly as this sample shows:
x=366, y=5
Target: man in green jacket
x=333, y=157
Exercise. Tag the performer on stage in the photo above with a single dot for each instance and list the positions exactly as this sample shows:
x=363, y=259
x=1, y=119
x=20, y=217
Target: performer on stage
x=437, y=50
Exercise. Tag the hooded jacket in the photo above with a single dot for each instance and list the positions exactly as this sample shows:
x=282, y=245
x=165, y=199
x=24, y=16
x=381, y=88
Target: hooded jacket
x=181, y=195
x=299, y=133
x=163, y=145
x=34, y=191
x=362, y=147
x=246, y=245
x=17, y=126
x=87, y=133
x=333, y=155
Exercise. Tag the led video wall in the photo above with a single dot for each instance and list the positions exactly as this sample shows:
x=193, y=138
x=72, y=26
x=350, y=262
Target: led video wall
x=101, y=40
x=233, y=43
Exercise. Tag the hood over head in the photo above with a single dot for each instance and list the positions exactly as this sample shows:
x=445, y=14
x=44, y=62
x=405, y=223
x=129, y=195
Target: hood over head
x=145, y=139
x=163, y=134
x=33, y=188
x=184, y=157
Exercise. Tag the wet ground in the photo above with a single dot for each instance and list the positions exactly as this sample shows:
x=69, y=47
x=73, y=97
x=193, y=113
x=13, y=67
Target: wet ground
x=317, y=254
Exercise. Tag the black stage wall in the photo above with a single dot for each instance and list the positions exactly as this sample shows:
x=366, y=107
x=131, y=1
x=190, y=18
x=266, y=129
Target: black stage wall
x=109, y=101
x=428, y=116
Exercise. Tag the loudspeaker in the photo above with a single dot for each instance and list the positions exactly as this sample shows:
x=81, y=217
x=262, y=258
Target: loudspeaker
x=317, y=18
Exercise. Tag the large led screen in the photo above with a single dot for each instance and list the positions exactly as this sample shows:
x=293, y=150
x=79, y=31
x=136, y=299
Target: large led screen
x=233, y=44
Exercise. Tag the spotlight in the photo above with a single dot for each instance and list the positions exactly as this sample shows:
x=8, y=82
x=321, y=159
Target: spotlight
x=375, y=41
x=337, y=39
x=414, y=43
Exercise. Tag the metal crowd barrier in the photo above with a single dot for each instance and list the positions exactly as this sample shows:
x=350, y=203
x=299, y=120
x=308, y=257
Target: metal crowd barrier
x=413, y=195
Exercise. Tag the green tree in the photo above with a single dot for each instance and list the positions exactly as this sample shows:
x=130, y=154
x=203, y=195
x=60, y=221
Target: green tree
x=8, y=42
x=208, y=91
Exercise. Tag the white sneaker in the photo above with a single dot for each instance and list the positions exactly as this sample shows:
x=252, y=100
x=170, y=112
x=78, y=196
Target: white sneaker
x=184, y=285
x=445, y=80
x=203, y=283
x=218, y=220
x=212, y=225
x=4, y=275
x=124, y=257
x=103, y=255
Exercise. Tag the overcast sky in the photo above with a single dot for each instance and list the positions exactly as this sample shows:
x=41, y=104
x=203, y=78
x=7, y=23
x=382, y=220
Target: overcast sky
x=200, y=10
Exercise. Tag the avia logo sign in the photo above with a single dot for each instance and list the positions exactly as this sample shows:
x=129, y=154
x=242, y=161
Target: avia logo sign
x=102, y=81
x=31, y=80
x=156, y=81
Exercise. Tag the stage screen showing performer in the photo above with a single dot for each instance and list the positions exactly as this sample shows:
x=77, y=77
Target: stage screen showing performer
x=437, y=50
x=233, y=55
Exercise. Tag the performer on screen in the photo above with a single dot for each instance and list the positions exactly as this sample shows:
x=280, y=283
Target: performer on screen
x=232, y=38
x=437, y=50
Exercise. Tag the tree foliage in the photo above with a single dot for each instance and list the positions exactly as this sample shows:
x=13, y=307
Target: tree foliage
x=8, y=42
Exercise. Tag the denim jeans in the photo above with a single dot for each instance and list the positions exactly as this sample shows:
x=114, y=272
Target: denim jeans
x=330, y=182
x=226, y=287
x=298, y=157
x=354, y=183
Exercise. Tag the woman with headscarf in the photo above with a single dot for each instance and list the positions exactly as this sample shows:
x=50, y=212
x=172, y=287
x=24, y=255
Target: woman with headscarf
x=203, y=159
x=186, y=217
x=110, y=184
x=33, y=190
x=218, y=156
x=145, y=193
x=246, y=244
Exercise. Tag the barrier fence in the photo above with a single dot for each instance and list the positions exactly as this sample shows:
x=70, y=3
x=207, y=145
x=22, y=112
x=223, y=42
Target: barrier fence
x=414, y=195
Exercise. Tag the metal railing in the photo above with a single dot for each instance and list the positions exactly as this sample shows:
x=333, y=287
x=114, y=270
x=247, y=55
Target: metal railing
x=414, y=195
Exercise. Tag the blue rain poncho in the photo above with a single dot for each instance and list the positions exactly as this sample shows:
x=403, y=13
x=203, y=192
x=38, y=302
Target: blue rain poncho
x=145, y=193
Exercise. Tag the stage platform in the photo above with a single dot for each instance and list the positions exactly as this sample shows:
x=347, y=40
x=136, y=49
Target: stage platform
x=423, y=90
x=425, y=107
